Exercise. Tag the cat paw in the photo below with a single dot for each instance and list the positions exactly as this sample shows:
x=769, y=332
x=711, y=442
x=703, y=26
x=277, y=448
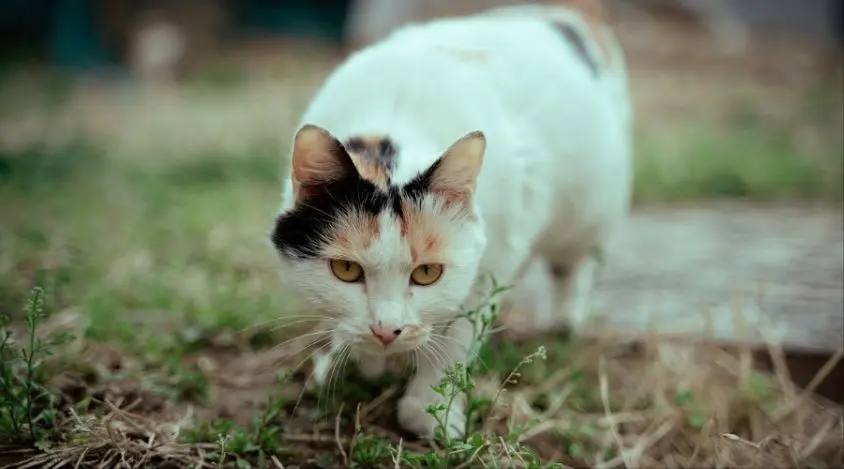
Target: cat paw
x=413, y=416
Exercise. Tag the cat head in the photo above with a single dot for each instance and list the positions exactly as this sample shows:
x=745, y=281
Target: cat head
x=386, y=263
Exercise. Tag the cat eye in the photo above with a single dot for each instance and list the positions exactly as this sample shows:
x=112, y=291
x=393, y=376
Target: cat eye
x=426, y=274
x=347, y=271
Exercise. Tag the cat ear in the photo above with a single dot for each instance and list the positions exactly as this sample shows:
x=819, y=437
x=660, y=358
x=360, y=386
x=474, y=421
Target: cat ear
x=318, y=159
x=456, y=172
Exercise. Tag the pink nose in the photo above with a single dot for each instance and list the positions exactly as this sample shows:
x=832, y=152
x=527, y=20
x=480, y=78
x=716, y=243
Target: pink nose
x=386, y=334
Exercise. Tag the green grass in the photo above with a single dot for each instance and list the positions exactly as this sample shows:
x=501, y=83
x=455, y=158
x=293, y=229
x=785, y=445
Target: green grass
x=751, y=159
x=159, y=255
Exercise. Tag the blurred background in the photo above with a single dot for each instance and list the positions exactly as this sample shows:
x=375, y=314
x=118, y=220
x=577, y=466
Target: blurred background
x=142, y=142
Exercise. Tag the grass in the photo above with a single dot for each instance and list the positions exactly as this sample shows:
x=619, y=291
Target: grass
x=132, y=247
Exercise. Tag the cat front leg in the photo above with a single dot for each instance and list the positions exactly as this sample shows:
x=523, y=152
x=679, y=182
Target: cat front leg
x=413, y=407
x=574, y=288
x=577, y=304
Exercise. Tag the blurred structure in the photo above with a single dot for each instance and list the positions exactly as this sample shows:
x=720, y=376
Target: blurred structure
x=162, y=38
x=731, y=22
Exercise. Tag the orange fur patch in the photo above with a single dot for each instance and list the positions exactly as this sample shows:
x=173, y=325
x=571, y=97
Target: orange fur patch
x=422, y=235
x=353, y=233
x=371, y=171
x=368, y=167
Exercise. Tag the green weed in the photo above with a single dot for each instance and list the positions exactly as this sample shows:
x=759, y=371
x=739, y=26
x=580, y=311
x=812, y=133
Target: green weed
x=28, y=409
x=244, y=447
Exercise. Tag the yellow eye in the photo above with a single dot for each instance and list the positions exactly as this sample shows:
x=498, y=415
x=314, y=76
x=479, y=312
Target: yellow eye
x=426, y=274
x=346, y=271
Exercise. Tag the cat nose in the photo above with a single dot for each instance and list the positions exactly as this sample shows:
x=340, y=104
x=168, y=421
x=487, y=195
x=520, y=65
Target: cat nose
x=387, y=334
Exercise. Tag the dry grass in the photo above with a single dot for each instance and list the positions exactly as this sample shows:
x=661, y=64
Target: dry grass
x=659, y=403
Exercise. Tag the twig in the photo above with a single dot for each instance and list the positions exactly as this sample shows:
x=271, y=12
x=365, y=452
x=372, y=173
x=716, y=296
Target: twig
x=397, y=456
x=337, y=436
x=820, y=376
x=816, y=440
x=474, y=455
x=605, y=399
x=355, y=432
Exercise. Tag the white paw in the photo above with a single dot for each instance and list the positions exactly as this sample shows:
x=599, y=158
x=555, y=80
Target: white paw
x=413, y=416
x=371, y=366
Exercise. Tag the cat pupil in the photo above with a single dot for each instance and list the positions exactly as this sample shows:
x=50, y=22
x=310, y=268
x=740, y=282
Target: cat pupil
x=348, y=265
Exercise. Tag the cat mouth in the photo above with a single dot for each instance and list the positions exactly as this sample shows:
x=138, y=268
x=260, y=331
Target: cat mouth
x=374, y=347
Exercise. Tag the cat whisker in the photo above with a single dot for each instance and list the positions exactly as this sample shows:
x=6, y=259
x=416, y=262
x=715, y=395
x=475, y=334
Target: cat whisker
x=340, y=367
x=303, y=318
x=300, y=337
x=436, y=354
x=310, y=376
x=293, y=323
x=304, y=349
x=325, y=388
x=440, y=337
x=315, y=208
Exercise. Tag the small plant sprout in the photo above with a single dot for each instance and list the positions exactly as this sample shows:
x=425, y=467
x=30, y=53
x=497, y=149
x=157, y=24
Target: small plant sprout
x=27, y=407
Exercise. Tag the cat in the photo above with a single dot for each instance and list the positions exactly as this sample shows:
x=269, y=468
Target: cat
x=496, y=144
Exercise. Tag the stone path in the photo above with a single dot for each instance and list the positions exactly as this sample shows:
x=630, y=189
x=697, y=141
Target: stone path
x=679, y=266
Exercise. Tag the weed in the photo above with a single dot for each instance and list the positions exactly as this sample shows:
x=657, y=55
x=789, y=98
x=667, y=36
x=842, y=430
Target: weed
x=458, y=383
x=27, y=407
x=370, y=451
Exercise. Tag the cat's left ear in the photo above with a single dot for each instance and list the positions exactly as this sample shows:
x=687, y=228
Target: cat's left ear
x=455, y=174
x=318, y=159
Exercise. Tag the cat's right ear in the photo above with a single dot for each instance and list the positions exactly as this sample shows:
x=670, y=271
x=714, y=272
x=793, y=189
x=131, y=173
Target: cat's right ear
x=318, y=159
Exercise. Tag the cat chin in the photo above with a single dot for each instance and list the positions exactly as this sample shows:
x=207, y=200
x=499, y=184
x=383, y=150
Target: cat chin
x=383, y=351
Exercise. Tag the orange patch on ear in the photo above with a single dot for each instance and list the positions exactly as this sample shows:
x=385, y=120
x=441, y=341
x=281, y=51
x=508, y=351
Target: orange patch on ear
x=318, y=159
x=455, y=176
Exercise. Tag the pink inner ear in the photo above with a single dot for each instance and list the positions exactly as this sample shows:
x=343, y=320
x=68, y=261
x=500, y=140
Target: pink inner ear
x=305, y=192
x=451, y=196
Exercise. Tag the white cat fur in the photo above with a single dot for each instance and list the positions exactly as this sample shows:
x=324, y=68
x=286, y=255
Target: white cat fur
x=555, y=182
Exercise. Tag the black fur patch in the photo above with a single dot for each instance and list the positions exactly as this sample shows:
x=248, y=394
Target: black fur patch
x=298, y=233
x=578, y=43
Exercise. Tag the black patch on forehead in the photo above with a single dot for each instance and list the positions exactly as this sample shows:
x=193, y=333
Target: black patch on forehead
x=575, y=39
x=298, y=233
x=381, y=151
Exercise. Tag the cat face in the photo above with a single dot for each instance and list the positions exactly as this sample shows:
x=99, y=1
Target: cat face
x=386, y=263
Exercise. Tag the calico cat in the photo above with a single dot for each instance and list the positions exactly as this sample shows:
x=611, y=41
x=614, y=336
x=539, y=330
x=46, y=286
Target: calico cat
x=494, y=144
